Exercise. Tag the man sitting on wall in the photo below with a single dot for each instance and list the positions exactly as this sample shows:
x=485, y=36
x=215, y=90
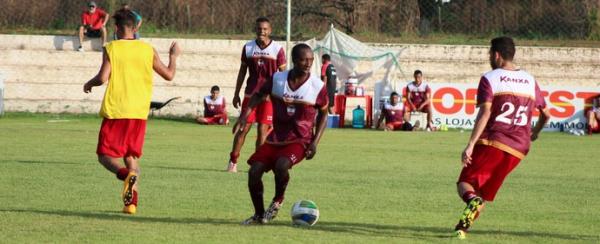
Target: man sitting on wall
x=419, y=98
x=214, y=109
x=393, y=113
x=93, y=24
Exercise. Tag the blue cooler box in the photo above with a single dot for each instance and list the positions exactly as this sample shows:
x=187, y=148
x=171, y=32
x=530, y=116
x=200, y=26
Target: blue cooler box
x=333, y=121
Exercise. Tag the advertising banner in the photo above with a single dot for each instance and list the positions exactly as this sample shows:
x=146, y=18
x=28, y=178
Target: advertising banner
x=455, y=105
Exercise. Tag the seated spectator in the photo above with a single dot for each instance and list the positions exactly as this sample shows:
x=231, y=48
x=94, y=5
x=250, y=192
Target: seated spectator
x=93, y=24
x=138, y=21
x=329, y=77
x=393, y=113
x=214, y=109
x=419, y=98
x=593, y=116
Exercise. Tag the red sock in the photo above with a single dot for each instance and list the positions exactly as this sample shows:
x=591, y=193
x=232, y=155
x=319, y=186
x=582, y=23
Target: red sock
x=134, y=201
x=468, y=196
x=279, y=200
x=122, y=173
x=233, y=157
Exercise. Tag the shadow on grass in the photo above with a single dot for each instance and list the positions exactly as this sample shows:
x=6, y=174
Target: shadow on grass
x=385, y=230
x=191, y=169
x=529, y=234
x=119, y=216
x=420, y=232
x=39, y=162
x=436, y=233
x=149, y=166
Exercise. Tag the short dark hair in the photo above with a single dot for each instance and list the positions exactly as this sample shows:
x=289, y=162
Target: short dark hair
x=262, y=19
x=326, y=57
x=215, y=88
x=505, y=46
x=417, y=72
x=297, y=50
x=124, y=18
x=393, y=94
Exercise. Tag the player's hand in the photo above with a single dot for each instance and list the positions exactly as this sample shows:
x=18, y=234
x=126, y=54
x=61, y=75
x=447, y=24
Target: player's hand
x=87, y=88
x=466, y=155
x=240, y=124
x=311, y=151
x=534, y=136
x=174, y=50
x=235, y=128
x=236, y=102
x=412, y=107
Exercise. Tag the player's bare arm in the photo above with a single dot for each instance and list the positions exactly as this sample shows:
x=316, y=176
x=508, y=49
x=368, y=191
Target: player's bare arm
x=238, y=85
x=427, y=101
x=380, y=120
x=409, y=99
x=320, y=128
x=137, y=27
x=106, y=18
x=167, y=72
x=485, y=111
x=543, y=119
x=282, y=67
x=102, y=76
x=324, y=78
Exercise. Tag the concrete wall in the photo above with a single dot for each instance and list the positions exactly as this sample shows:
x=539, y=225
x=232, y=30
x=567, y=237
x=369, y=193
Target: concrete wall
x=45, y=74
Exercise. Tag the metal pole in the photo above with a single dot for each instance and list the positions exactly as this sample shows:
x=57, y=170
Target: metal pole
x=288, y=31
x=330, y=37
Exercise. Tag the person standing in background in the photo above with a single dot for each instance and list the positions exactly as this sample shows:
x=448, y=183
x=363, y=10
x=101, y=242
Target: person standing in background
x=329, y=76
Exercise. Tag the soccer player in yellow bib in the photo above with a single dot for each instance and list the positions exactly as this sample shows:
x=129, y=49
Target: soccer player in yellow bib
x=127, y=66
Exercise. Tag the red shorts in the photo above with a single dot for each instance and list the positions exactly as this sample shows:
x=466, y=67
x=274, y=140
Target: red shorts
x=215, y=120
x=488, y=169
x=395, y=125
x=268, y=154
x=121, y=137
x=262, y=114
x=595, y=129
x=424, y=110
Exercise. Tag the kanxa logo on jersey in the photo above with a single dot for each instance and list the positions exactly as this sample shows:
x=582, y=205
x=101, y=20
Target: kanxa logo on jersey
x=260, y=53
x=514, y=80
x=455, y=105
x=292, y=97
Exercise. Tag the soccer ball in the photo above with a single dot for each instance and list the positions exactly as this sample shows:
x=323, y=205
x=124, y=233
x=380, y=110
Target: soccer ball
x=305, y=213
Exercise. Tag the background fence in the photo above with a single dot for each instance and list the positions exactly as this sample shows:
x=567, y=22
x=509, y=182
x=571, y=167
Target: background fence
x=369, y=20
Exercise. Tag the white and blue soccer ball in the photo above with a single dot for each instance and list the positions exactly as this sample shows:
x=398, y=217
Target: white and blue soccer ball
x=305, y=213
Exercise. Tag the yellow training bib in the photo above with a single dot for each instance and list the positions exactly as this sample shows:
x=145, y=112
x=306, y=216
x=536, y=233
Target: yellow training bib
x=129, y=88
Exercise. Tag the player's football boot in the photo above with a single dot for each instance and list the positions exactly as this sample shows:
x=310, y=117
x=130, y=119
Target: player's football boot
x=128, y=184
x=468, y=216
x=460, y=234
x=129, y=209
x=417, y=125
x=254, y=220
x=232, y=167
x=272, y=211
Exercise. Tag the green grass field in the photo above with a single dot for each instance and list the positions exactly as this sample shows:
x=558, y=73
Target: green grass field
x=370, y=187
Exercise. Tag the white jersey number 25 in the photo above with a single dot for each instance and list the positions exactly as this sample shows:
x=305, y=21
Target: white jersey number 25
x=520, y=116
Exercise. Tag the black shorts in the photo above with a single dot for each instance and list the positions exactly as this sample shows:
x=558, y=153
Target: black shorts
x=93, y=33
x=331, y=96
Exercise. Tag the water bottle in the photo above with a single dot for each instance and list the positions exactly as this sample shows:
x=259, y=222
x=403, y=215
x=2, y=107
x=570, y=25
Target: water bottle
x=358, y=117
